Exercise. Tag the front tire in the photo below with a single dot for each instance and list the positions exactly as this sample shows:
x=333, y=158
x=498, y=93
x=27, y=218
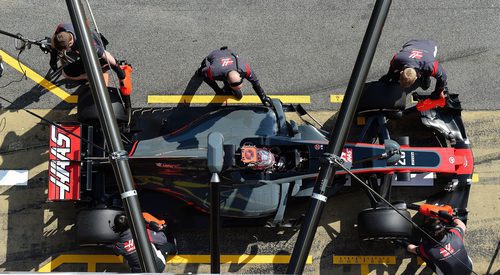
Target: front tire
x=384, y=224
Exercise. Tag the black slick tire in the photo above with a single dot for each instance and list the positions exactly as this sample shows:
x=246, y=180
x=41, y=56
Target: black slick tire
x=383, y=224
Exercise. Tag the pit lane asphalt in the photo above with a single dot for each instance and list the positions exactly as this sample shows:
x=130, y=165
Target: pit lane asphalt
x=296, y=47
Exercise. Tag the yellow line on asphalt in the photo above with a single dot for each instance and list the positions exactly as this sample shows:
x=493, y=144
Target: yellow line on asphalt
x=38, y=78
x=234, y=259
x=90, y=260
x=205, y=99
x=336, y=98
x=364, y=261
x=346, y=259
x=93, y=260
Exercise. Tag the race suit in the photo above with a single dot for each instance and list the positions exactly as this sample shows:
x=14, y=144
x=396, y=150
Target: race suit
x=421, y=56
x=219, y=63
x=442, y=258
x=125, y=246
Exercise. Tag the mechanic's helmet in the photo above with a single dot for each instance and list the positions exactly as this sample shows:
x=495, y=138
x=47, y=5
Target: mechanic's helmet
x=435, y=228
x=407, y=77
x=120, y=223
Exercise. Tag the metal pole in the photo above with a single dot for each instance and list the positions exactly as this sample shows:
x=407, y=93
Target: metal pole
x=338, y=136
x=118, y=157
x=214, y=224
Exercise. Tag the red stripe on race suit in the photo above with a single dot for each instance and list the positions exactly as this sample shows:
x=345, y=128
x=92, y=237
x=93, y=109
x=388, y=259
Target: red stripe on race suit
x=422, y=252
x=435, y=68
x=209, y=74
x=64, y=163
x=454, y=231
x=247, y=67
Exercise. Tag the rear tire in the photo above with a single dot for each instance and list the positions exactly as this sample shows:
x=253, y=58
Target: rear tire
x=94, y=226
x=384, y=224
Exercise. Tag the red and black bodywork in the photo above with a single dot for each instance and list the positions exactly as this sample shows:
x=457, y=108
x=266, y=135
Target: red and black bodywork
x=168, y=157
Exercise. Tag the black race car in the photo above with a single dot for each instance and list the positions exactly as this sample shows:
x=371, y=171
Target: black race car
x=268, y=160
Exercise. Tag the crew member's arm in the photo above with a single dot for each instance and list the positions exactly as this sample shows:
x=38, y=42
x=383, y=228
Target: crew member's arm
x=437, y=71
x=53, y=59
x=458, y=223
x=101, y=53
x=393, y=72
x=412, y=248
x=250, y=76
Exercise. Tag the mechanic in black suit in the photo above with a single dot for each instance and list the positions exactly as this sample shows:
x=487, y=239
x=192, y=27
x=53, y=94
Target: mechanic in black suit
x=64, y=41
x=413, y=66
x=226, y=66
x=452, y=260
x=125, y=244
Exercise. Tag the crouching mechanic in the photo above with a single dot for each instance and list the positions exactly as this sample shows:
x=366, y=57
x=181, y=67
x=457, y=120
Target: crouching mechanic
x=66, y=49
x=226, y=66
x=125, y=244
x=413, y=66
x=449, y=256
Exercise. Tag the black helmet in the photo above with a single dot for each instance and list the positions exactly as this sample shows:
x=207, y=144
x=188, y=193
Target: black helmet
x=120, y=223
x=435, y=228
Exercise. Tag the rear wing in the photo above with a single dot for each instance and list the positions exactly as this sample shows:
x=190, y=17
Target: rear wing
x=64, y=162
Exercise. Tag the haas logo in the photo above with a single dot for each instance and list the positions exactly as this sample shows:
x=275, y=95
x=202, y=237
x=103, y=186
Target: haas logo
x=226, y=61
x=445, y=252
x=129, y=245
x=416, y=54
x=59, y=173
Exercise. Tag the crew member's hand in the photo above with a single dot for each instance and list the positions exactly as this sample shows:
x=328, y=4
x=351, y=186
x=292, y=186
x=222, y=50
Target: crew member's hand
x=155, y=226
x=445, y=216
x=437, y=95
x=267, y=101
x=119, y=71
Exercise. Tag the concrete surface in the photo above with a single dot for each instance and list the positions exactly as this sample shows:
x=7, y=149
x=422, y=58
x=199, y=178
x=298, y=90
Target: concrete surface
x=32, y=231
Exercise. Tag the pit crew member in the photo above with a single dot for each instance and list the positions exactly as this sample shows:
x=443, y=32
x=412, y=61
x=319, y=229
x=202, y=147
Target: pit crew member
x=450, y=255
x=225, y=65
x=66, y=49
x=125, y=245
x=413, y=66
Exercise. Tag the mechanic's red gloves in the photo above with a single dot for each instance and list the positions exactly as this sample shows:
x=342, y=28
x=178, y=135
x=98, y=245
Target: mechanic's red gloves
x=428, y=103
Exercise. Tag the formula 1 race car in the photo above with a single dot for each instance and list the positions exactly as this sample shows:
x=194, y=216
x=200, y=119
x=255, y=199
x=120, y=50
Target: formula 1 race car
x=268, y=160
